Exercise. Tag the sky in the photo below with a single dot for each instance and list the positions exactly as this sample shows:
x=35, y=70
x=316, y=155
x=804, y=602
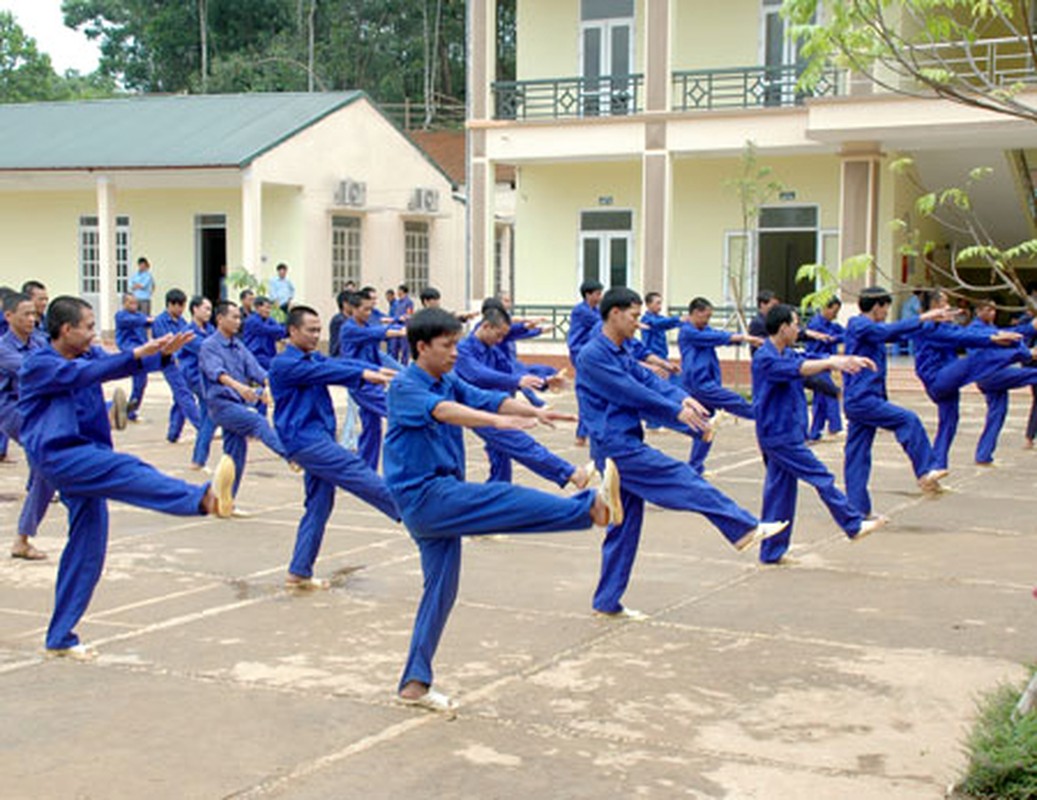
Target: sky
x=42, y=20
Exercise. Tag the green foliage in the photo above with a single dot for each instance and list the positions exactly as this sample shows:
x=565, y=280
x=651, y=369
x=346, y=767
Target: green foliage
x=1002, y=752
x=241, y=278
x=828, y=282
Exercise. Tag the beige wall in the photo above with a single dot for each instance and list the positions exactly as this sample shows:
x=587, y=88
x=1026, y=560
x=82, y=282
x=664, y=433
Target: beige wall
x=39, y=233
x=707, y=35
x=549, y=200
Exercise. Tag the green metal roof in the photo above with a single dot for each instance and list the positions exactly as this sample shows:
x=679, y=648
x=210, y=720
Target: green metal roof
x=226, y=130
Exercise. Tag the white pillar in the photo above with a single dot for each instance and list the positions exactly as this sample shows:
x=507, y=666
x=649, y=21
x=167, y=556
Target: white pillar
x=251, y=222
x=108, y=300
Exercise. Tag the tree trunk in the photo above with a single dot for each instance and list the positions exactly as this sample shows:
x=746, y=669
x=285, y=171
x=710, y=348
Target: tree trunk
x=203, y=29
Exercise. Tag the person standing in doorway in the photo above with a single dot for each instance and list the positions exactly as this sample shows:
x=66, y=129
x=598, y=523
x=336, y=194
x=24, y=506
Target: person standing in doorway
x=142, y=286
x=282, y=291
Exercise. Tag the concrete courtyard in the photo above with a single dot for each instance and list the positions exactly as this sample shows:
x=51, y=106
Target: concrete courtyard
x=853, y=674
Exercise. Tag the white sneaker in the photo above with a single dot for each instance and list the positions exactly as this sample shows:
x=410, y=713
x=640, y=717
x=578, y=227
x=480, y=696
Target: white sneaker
x=431, y=700
x=77, y=652
x=631, y=614
x=610, y=492
x=719, y=420
x=869, y=526
x=223, y=486
x=765, y=530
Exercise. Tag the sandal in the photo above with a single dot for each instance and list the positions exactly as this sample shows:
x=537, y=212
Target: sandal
x=29, y=553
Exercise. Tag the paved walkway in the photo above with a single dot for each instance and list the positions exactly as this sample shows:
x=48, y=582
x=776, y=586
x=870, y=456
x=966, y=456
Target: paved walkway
x=851, y=675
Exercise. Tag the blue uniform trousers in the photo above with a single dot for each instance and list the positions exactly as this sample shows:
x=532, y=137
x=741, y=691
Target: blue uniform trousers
x=995, y=389
x=826, y=410
x=241, y=423
x=504, y=445
x=206, y=430
x=648, y=474
x=328, y=466
x=87, y=477
x=786, y=466
x=3, y=444
x=140, y=383
x=714, y=398
x=448, y=509
x=863, y=421
x=37, y=501
x=945, y=391
x=184, y=406
x=371, y=402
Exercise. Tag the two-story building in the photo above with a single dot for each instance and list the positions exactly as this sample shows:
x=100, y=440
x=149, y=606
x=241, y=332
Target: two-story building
x=627, y=122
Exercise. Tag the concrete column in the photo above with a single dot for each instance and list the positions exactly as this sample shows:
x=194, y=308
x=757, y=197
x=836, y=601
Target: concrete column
x=480, y=211
x=656, y=202
x=108, y=301
x=251, y=221
x=859, y=207
x=481, y=24
x=481, y=21
x=657, y=55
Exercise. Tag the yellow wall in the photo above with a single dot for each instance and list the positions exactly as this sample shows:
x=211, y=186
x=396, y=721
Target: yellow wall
x=284, y=224
x=707, y=35
x=704, y=208
x=550, y=199
x=40, y=238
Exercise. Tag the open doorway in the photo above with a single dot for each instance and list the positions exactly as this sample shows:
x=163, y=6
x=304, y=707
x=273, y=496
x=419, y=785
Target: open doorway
x=211, y=255
x=788, y=239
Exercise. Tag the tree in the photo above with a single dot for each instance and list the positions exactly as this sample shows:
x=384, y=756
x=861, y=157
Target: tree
x=979, y=53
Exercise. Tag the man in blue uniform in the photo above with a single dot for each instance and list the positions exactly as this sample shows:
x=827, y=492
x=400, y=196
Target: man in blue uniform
x=700, y=371
x=305, y=420
x=66, y=433
x=131, y=331
x=425, y=471
x=21, y=340
x=615, y=393
x=943, y=372
x=261, y=333
x=582, y=320
x=360, y=340
x=201, y=312
x=867, y=406
x=234, y=385
x=826, y=404
x=482, y=363
x=184, y=407
x=780, y=405
x=654, y=326
x=996, y=387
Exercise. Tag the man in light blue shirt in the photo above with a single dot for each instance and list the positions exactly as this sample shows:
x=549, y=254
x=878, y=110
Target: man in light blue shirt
x=282, y=291
x=142, y=286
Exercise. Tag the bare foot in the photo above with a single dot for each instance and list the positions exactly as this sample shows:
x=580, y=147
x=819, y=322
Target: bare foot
x=412, y=690
x=580, y=478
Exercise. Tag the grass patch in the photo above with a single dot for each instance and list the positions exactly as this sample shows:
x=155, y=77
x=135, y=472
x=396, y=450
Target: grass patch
x=1002, y=752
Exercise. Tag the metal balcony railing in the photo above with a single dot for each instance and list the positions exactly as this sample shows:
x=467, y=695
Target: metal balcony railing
x=554, y=98
x=748, y=87
x=558, y=317
x=983, y=63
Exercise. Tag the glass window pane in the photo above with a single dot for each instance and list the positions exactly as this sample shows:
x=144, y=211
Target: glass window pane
x=591, y=52
x=620, y=50
x=618, y=257
x=606, y=9
x=789, y=217
x=606, y=220
x=591, y=258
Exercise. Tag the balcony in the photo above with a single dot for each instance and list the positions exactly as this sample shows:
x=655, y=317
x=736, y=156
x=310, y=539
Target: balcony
x=693, y=90
x=749, y=87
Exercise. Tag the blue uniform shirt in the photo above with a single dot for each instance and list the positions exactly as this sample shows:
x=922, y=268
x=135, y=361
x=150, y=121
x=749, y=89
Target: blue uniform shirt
x=61, y=401
x=865, y=337
x=219, y=355
x=815, y=347
x=261, y=337
x=361, y=342
x=13, y=352
x=937, y=345
x=779, y=402
x=166, y=323
x=615, y=392
x=700, y=367
x=654, y=339
x=485, y=367
x=188, y=355
x=303, y=412
x=131, y=329
x=582, y=320
x=417, y=446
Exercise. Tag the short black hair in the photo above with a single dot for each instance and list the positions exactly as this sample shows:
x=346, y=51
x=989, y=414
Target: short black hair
x=781, y=314
x=429, y=293
x=64, y=310
x=176, y=296
x=496, y=317
x=765, y=296
x=835, y=302
x=297, y=313
x=11, y=299
x=30, y=286
x=355, y=298
x=369, y=292
x=143, y=260
x=429, y=324
x=222, y=308
x=262, y=300
x=589, y=287
x=872, y=296
x=492, y=302
x=281, y=266
x=403, y=288
x=699, y=304
x=651, y=296
x=342, y=297
x=196, y=301
x=244, y=293
x=618, y=297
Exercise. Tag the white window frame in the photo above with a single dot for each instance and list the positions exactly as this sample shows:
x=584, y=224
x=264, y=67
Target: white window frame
x=417, y=275
x=347, y=256
x=608, y=83
x=89, y=248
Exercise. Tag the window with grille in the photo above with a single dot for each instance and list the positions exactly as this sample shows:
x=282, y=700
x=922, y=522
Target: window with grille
x=415, y=255
x=345, y=252
x=90, y=255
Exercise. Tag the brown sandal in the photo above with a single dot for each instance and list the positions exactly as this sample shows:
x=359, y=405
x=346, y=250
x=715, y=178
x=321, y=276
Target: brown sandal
x=29, y=553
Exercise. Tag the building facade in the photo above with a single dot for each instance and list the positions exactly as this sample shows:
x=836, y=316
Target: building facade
x=627, y=125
